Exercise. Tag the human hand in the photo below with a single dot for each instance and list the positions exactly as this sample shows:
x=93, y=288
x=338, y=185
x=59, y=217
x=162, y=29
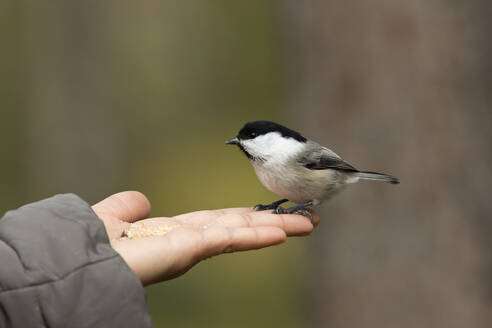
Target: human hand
x=193, y=236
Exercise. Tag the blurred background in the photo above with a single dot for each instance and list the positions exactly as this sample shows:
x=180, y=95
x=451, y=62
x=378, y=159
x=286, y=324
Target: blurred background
x=99, y=97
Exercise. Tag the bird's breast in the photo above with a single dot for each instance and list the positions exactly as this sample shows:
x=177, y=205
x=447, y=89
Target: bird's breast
x=283, y=180
x=297, y=183
x=270, y=176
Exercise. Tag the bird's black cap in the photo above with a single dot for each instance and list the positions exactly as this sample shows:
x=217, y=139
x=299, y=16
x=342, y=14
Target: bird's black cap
x=254, y=129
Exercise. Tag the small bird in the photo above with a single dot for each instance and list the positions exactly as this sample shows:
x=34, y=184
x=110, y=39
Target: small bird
x=296, y=168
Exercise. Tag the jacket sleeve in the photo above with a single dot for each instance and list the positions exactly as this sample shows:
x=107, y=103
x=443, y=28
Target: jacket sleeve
x=57, y=269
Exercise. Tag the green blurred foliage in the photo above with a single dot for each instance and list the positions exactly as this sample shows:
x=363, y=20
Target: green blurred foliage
x=12, y=108
x=174, y=80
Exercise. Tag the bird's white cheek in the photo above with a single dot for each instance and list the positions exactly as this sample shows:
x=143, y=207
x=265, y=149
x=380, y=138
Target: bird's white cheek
x=273, y=147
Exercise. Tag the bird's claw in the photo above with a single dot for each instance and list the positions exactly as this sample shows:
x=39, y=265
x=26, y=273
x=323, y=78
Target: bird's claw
x=301, y=211
x=305, y=213
x=272, y=206
x=280, y=210
x=261, y=207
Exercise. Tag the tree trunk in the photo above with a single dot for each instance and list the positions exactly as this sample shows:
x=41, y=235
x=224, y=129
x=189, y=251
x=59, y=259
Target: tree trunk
x=401, y=87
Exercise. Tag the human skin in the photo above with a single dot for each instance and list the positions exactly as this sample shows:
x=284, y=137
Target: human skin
x=195, y=236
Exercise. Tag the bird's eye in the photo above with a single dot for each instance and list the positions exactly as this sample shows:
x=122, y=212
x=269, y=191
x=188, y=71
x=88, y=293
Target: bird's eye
x=252, y=135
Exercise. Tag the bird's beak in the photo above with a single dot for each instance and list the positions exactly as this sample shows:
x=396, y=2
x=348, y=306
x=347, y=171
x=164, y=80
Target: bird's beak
x=233, y=141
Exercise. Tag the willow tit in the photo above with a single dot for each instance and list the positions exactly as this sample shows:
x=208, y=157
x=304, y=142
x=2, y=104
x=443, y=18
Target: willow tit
x=295, y=168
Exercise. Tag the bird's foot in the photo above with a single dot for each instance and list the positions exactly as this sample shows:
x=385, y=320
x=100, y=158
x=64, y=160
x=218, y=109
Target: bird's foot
x=305, y=213
x=280, y=210
x=272, y=206
x=261, y=207
x=294, y=210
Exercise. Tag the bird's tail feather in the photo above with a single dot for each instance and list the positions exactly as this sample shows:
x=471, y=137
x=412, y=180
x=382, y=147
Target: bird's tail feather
x=378, y=177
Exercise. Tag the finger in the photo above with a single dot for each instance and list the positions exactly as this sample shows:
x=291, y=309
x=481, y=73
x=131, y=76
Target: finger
x=200, y=217
x=129, y=206
x=220, y=240
x=292, y=224
x=315, y=221
x=203, y=217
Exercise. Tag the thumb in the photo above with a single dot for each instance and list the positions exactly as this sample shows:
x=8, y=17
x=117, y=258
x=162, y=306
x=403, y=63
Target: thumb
x=128, y=206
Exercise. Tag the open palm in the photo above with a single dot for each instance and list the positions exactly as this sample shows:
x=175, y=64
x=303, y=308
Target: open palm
x=192, y=237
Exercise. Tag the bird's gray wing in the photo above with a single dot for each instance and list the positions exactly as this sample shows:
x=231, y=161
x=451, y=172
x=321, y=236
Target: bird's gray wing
x=321, y=158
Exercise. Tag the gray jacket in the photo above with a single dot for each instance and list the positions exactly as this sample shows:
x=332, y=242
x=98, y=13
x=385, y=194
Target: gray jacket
x=57, y=269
